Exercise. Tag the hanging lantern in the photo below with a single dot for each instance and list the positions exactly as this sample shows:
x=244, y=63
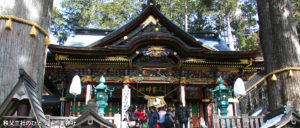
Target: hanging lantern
x=239, y=87
x=75, y=87
x=274, y=77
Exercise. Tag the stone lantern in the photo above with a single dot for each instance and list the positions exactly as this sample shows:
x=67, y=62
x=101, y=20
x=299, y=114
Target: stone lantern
x=101, y=95
x=221, y=94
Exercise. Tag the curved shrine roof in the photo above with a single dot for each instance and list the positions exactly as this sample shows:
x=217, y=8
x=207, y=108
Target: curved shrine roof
x=151, y=27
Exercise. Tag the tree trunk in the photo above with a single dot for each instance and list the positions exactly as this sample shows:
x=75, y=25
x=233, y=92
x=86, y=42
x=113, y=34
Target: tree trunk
x=17, y=48
x=186, y=24
x=281, y=49
x=229, y=33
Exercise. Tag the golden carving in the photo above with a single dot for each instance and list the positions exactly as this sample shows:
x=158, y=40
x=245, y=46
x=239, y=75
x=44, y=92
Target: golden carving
x=87, y=79
x=206, y=100
x=182, y=80
x=244, y=61
x=62, y=98
x=61, y=57
x=149, y=20
x=126, y=80
x=115, y=58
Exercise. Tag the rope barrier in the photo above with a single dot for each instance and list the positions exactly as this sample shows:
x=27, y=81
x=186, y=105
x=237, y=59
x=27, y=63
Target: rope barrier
x=32, y=32
x=274, y=77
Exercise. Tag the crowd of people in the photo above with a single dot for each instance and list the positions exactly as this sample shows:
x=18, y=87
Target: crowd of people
x=157, y=118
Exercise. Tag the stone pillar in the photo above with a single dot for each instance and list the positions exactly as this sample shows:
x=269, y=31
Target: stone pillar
x=125, y=99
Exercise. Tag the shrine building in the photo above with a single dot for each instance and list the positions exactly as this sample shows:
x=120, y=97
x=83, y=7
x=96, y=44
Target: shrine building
x=151, y=56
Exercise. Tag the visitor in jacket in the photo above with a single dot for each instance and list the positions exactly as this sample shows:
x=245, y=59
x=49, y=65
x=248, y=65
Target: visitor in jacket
x=170, y=119
x=182, y=116
x=154, y=117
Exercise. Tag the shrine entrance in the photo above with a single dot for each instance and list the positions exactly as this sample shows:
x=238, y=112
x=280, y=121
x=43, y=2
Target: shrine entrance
x=166, y=93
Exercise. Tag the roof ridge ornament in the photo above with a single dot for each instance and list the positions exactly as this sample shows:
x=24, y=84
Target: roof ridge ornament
x=151, y=3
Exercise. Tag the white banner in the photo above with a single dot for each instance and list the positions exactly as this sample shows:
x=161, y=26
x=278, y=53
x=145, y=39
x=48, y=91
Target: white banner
x=125, y=100
x=182, y=95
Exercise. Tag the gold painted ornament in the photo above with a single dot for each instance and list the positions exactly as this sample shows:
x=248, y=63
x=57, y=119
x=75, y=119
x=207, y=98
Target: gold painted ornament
x=33, y=31
x=291, y=73
x=8, y=24
x=46, y=40
x=274, y=77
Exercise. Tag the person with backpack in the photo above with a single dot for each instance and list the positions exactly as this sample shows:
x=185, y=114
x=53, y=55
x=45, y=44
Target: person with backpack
x=131, y=117
x=182, y=116
x=170, y=119
x=154, y=117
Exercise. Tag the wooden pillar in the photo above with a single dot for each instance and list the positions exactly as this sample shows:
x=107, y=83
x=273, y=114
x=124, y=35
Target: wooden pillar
x=78, y=108
x=110, y=109
x=71, y=110
x=62, y=103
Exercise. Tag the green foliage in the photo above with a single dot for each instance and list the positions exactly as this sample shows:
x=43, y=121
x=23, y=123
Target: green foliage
x=202, y=15
x=245, y=26
x=249, y=42
x=296, y=12
x=92, y=14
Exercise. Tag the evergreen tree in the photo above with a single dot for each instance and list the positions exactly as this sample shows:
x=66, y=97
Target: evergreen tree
x=91, y=14
x=280, y=47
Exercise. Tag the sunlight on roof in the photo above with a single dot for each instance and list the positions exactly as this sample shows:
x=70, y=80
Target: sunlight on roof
x=82, y=40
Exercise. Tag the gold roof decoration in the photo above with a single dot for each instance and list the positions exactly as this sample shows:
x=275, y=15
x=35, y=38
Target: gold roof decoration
x=117, y=58
x=195, y=60
x=156, y=48
x=149, y=20
x=61, y=57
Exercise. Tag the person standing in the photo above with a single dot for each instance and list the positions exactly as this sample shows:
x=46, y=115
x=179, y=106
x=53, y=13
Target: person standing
x=131, y=117
x=162, y=117
x=142, y=117
x=170, y=119
x=182, y=116
x=154, y=117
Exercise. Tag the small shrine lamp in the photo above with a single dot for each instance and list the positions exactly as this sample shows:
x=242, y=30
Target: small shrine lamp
x=221, y=94
x=75, y=89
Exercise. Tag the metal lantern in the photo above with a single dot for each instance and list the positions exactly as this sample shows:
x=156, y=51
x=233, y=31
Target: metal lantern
x=221, y=94
x=101, y=94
